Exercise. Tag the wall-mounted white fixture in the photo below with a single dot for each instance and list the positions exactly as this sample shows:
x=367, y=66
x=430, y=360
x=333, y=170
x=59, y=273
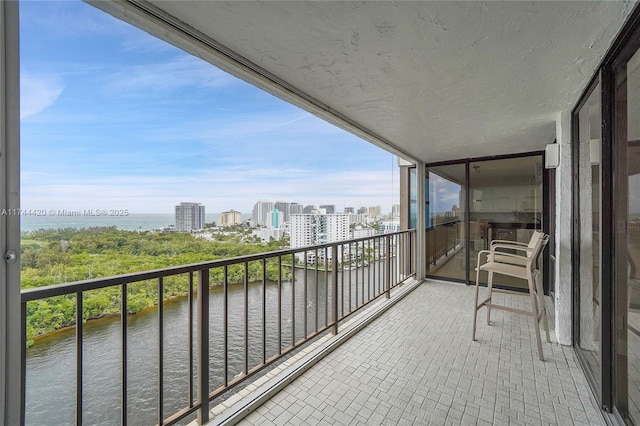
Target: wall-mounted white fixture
x=552, y=156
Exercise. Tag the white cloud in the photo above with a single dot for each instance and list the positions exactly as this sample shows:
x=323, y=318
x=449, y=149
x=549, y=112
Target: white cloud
x=38, y=93
x=183, y=71
x=219, y=190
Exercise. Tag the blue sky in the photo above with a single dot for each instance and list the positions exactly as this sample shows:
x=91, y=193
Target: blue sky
x=113, y=118
x=444, y=194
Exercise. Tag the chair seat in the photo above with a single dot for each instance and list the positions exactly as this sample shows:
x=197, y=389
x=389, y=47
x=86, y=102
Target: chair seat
x=506, y=269
x=522, y=261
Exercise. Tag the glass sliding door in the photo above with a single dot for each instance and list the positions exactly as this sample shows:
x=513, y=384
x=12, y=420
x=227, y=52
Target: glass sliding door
x=505, y=204
x=589, y=292
x=627, y=234
x=446, y=207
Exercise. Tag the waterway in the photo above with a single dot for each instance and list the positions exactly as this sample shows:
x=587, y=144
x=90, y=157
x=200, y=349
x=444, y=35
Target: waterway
x=50, y=381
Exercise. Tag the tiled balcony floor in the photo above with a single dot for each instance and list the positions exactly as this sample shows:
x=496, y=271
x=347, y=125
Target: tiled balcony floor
x=416, y=364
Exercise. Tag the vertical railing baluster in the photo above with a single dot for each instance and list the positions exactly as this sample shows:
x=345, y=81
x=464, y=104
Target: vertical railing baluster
x=357, y=246
x=394, y=243
x=246, y=318
x=376, y=256
x=123, y=354
x=160, y=351
x=398, y=258
x=79, y=369
x=402, y=255
x=225, y=326
x=414, y=255
x=334, y=282
x=379, y=264
x=387, y=284
x=350, y=260
x=190, y=337
x=293, y=300
x=279, y=305
x=391, y=239
x=380, y=269
x=369, y=267
x=317, y=309
x=306, y=297
x=203, y=346
x=326, y=286
x=342, y=280
x=264, y=311
x=363, y=280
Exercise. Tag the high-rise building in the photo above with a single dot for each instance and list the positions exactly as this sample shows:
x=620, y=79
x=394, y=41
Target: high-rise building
x=229, y=218
x=375, y=211
x=363, y=210
x=260, y=212
x=308, y=209
x=189, y=217
x=313, y=229
x=283, y=206
x=349, y=210
x=330, y=208
x=395, y=211
x=295, y=208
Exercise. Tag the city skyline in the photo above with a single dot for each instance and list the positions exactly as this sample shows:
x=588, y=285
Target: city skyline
x=113, y=118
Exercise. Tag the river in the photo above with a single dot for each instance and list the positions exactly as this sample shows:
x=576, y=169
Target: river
x=50, y=382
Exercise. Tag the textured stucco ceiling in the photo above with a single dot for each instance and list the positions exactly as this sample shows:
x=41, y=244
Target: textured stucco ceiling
x=440, y=80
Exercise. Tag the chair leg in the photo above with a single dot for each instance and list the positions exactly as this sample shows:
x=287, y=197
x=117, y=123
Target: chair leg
x=543, y=310
x=475, y=306
x=534, y=307
x=489, y=296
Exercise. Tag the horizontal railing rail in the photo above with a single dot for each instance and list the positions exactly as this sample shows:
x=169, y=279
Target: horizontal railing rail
x=299, y=294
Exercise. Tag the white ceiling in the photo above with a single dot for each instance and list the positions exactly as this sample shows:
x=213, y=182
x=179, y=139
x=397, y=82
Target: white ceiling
x=434, y=80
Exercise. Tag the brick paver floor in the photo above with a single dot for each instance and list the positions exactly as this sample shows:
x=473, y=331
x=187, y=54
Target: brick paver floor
x=416, y=364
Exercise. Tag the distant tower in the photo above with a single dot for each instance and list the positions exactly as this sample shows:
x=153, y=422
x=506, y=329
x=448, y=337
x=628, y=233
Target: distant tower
x=329, y=208
x=189, y=217
x=260, y=212
x=229, y=218
x=284, y=207
x=295, y=208
x=395, y=211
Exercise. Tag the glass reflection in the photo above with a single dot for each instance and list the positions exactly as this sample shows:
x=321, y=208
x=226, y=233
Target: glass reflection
x=506, y=204
x=589, y=130
x=445, y=231
x=633, y=234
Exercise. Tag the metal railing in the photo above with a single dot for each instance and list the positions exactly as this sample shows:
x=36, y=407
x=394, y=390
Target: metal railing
x=315, y=287
x=441, y=240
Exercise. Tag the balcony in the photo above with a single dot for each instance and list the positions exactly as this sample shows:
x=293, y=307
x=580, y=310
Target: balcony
x=416, y=364
x=369, y=344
